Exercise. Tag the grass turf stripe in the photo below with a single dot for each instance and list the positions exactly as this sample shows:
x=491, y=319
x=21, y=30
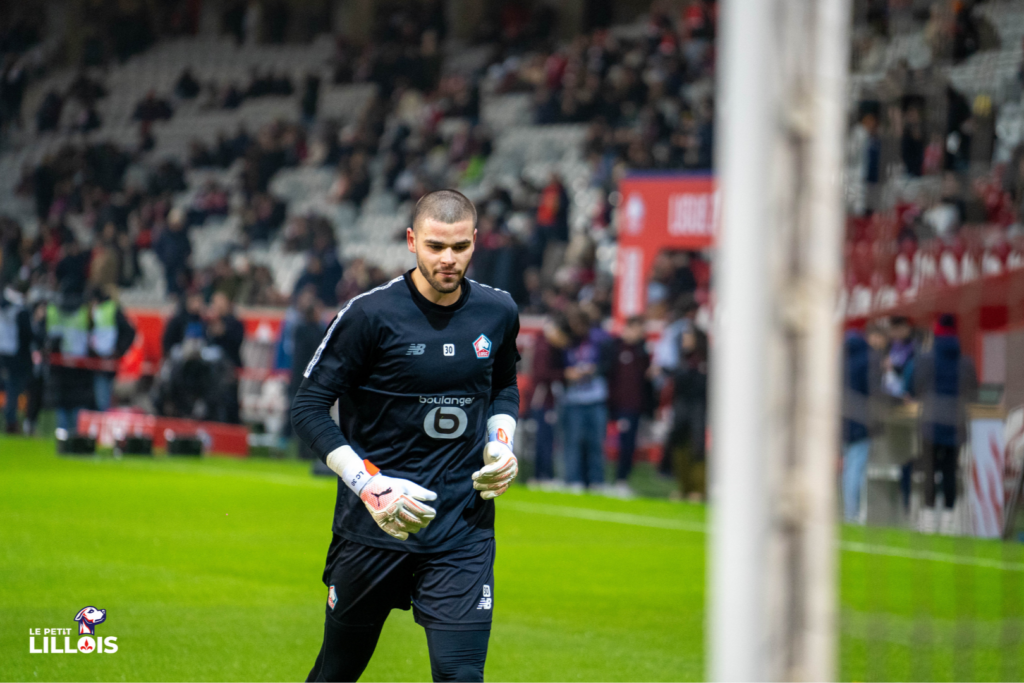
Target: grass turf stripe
x=696, y=527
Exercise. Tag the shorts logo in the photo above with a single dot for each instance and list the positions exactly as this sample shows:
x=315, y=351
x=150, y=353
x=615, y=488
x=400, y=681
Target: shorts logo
x=482, y=346
x=486, y=601
x=449, y=349
x=332, y=597
x=416, y=349
x=88, y=618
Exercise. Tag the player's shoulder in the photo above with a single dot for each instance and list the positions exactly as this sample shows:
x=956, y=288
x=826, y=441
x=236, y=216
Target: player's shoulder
x=495, y=297
x=373, y=301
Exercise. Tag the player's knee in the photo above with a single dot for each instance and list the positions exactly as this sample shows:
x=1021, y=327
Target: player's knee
x=457, y=655
x=463, y=672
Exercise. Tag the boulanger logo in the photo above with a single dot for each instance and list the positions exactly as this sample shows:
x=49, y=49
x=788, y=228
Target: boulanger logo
x=88, y=618
x=447, y=400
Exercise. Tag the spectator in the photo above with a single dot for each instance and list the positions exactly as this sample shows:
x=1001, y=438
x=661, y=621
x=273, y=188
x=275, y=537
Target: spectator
x=628, y=394
x=192, y=379
x=105, y=266
x=861, y=369
x=72, y=268
x=187, y=87
x=151, y=108
x=324, y=273
x=174, y=249
x=226, y=332
x=67, y=330
x=48, y=116
x=190, y=312
x=585, y=404
x=686, y=441
x=945, y=382
x=306, y=336
x=898, y=364
x=36, y=384
x=110, y=338
x=913, y=142
x=547, y=371
x=223, y=329
x=15, y=350
x=551, y=237
x=310, y=98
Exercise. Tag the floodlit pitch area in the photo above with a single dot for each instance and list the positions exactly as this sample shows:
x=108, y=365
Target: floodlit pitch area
x=210, y=570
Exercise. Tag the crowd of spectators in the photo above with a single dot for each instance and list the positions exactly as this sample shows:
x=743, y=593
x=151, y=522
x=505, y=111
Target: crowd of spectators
x=932, y=168
x=648, y=99
x=888, y=363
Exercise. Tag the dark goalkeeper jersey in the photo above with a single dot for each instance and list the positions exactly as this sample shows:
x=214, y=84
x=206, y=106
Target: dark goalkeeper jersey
x=416, y=382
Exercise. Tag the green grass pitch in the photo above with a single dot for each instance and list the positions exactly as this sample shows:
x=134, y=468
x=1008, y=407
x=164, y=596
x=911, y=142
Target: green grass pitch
x=210, y=570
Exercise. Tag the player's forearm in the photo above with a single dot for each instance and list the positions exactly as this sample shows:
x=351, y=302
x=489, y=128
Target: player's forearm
x=311, y=419
x=505, y=401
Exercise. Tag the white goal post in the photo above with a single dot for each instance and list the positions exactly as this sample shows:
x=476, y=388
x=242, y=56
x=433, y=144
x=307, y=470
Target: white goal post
x=776, y=382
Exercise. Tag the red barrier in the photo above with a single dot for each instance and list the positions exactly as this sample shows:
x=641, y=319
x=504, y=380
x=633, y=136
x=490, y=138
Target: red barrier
x=222, y=439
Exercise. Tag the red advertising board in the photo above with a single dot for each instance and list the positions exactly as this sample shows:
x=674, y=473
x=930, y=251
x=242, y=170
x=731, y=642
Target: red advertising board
x=657, y=212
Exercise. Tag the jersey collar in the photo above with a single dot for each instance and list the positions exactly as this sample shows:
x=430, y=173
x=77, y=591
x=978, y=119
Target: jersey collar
x=428, y=306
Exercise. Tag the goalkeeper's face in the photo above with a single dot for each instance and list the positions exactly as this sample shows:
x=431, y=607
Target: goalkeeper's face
x=443, y=251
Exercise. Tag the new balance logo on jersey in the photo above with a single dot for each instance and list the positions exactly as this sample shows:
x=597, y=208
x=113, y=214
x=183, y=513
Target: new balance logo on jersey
x=486, y=601
x=416, y=349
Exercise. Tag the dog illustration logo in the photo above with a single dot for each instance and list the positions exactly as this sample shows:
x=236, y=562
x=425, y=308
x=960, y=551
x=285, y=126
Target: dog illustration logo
x=87, y=619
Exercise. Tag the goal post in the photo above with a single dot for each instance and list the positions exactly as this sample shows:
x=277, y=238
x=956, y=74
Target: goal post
x=776, y=382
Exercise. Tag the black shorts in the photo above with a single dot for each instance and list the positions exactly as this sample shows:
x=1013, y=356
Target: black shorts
x=449, y=591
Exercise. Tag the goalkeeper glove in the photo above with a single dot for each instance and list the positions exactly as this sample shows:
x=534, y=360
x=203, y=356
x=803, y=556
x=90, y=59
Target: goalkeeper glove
x=500, y=464
x=395, y=504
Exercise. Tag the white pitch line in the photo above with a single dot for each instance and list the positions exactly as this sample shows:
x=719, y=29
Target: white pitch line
x=697, y=527
x=854, y=547
x=602, y=516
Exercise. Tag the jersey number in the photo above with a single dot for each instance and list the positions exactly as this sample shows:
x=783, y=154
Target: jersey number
x=445, y=423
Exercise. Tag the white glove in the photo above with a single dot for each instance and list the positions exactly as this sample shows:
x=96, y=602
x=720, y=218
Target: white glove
x=500, y=464
x=395, y=504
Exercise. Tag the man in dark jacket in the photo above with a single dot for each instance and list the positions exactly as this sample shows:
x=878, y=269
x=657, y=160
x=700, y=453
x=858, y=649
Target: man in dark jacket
x=688, y=438
x=861, y=385
x=173, y=249
x=15, y=351
x=306, y=337
x=628, y=393
x=190, y=311
x=226, y=332
x=945, y=382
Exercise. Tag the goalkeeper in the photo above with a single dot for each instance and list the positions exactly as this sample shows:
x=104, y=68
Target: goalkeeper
x=424, y=372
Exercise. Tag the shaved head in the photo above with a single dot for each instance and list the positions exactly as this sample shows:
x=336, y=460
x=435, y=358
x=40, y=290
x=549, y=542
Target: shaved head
x=443, y=206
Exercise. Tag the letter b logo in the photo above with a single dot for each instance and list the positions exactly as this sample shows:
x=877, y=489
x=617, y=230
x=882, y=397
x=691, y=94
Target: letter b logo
x=445, y=423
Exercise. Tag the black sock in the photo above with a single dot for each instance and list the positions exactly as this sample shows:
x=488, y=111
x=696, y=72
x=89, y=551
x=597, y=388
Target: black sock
x=457, y=655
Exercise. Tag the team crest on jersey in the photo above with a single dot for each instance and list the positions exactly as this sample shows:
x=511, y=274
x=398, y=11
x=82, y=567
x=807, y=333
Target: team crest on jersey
x=482, y=346
x=332, y=597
